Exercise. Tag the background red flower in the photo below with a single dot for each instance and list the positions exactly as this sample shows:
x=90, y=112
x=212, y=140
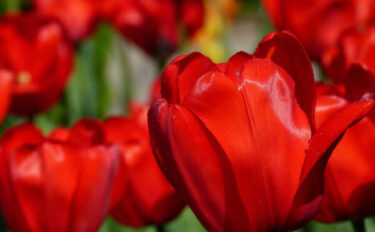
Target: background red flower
x=38, y=56
x=54, y=185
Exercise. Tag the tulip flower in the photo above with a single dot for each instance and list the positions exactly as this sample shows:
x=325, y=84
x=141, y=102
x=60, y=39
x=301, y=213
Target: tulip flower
x=153, y=24
x=6, y=86
x=78, y=17
x=149, y=198
x=38, y=57
x=352, y=58
x=51, y=184
x=192, y=15
x=238, y=140
x=349, y=177
x=319, y=23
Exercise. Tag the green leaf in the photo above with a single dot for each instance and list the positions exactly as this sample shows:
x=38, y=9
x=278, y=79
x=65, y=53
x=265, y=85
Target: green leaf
x=186, y=222
x=10, y=121
x=111, y=225
x=88, y=93
x=50, y=120
x=102, y=47
x=314, y=226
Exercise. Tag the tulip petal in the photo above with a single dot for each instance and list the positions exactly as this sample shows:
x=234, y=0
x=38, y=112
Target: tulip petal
x=359, y=80
x=197, y=166
x=187, y=69
x=17, y=137
x=27, y=183
x=122, y=130
x=45, y=203
x=59, y=134
x=100, y=167
x=327, y=89
x=253, y=121
x=87, y=132
x=327, y=136
x=138, y=207
x=327, y=105
x=196, y=179
x=349, y=176
x=285, y=50
x=235, y=63
x=13, y=140
x=61, y=169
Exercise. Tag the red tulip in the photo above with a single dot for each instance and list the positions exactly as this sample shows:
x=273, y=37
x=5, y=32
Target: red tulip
x=230, y=138
x=78, y=17
x=192, y=15
x=319, y=23
x=6, y=86
x=54, y=185
x=149, y=198
x=35, y=52
x=349, y=177
x=353, y=49
x=153, y=24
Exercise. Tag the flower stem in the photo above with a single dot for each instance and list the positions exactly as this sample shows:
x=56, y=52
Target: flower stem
x=359, y=225
x=160, y=228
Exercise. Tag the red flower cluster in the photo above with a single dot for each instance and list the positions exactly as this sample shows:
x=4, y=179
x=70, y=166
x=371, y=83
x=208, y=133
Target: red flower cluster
x=351, y=61
x=36, y=53
x=320, y=23
x=150, y=24
x=252, y=144
x=349, y=178
x=153, y=24
x=77, y=177
x=65, y=182
x=231, y=136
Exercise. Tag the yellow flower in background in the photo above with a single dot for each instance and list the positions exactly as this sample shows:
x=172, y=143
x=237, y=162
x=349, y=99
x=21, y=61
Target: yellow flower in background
x=214, y=49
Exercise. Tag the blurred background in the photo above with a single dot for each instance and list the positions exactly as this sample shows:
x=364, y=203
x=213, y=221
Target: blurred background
x=110, y=71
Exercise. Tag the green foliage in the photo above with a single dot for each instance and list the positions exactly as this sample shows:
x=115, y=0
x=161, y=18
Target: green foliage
x=9, y=5
x=345, y=226
x=51, y=119
x=186, y=222
x=249, y=6
x=14, y=5
x=3, y=226
x=88, y=93
x=9, y=121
